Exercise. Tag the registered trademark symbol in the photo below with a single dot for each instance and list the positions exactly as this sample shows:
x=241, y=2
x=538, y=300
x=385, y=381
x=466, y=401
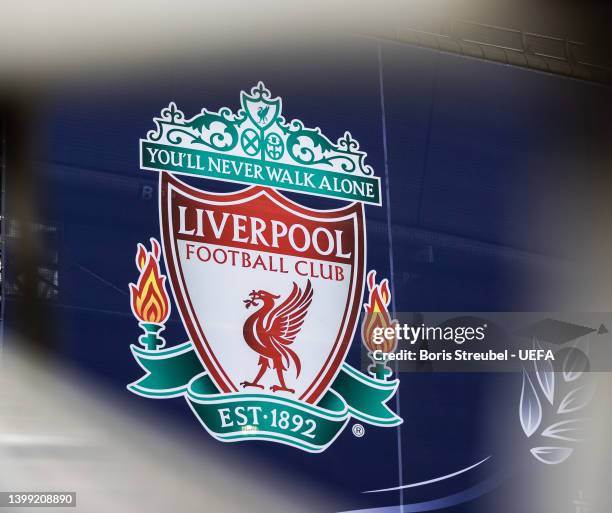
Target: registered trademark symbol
x=358, y=430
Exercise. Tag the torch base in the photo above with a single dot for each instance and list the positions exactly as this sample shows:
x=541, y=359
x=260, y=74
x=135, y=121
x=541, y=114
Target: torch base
x=151, y=339
x=380, y=371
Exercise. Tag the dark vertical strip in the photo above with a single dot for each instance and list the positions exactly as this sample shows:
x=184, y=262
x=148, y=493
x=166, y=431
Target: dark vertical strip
x=25, y=312
x=3, y=223
x=428, y=140
x=391, y=259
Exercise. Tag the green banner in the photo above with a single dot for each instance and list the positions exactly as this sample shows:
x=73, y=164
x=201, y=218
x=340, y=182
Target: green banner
x=177, y=371
x=249, y=170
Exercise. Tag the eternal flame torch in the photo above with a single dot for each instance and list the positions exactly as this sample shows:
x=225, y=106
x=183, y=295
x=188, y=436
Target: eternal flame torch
x=150, y=302
x=377, y=318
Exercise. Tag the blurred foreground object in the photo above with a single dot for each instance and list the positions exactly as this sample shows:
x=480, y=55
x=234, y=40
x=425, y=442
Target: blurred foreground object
x=58, y=41
x=56, y=433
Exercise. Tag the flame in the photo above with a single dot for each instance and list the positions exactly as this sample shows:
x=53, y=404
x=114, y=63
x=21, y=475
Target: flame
x=377, y=315
x=150, y=302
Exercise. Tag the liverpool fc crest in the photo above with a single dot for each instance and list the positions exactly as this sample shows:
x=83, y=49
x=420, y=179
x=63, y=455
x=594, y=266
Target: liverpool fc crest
x=270, y=291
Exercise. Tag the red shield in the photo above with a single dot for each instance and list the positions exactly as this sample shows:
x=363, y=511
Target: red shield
x=269, y=291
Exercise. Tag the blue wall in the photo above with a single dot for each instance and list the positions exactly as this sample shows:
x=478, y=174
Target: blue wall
x=473, y=172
